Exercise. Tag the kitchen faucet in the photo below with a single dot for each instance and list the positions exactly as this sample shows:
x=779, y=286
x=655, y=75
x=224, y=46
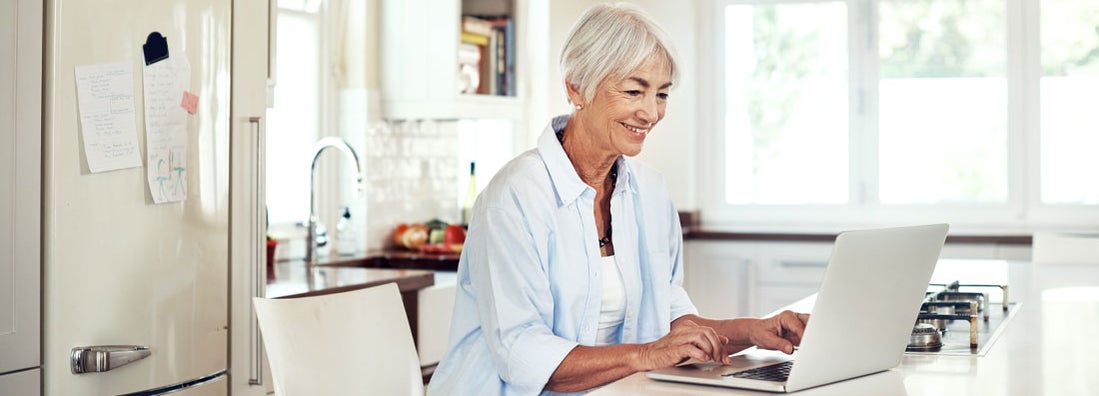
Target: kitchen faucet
x=320, y=146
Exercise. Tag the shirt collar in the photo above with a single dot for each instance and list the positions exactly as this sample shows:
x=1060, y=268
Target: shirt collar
x=565, y=180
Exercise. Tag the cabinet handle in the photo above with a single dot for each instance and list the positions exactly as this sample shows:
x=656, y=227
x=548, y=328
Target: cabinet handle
x=259, y=238
x=802, y=264
x=100, y=358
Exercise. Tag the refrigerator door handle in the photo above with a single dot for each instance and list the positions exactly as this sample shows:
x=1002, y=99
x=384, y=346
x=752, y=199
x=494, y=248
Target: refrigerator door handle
x=100, y=358
x=259, y=228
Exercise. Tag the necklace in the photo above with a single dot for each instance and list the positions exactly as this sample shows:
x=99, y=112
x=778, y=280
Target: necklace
x=606, y=238
x=607, y=235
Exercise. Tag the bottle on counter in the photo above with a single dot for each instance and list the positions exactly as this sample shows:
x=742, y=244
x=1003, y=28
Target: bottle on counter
x=321, y=242
x=347, y=240
x=471, y=194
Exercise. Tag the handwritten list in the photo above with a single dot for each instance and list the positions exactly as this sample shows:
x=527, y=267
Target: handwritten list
x=105, y=99
x=166, y=128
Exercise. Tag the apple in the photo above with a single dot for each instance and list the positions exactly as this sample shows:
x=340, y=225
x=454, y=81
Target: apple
x=454, y=234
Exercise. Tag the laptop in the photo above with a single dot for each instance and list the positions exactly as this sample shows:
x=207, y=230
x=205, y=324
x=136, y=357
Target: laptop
x=861, y=320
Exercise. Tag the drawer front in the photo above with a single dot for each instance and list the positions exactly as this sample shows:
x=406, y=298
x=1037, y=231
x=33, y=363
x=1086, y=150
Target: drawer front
x=792, y=263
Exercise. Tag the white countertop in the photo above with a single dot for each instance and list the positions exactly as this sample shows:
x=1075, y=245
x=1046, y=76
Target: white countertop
x=1050, y=347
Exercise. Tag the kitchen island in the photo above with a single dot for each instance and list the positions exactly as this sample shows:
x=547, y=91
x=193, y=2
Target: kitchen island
x=289, y=279
x=1049, y=347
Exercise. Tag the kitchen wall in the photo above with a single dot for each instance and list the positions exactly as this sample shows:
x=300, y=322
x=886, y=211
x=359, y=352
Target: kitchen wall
x=412, y=169
x=412, y=176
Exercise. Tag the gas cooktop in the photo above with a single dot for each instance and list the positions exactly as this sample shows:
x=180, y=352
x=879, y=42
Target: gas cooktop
x=958, y=319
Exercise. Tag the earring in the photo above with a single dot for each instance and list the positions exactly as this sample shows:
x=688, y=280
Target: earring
x=579, y=107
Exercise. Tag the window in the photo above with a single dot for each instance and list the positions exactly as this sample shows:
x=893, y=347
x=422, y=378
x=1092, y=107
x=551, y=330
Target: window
x=1069, y=90
x=294, y=122
x=942, y=102
x=884, y=111
x=786, y=106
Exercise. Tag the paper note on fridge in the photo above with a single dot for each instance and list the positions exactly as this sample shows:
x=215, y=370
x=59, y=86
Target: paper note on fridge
x=166, y=128
x=105, y=99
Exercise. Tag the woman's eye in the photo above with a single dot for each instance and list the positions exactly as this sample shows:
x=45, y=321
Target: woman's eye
x=633, y=92
x=662, y=96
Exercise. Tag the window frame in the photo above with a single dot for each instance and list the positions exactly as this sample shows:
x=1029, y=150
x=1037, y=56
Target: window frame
x=1023, y=208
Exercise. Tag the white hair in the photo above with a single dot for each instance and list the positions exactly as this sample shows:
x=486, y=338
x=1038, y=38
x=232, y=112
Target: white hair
x=610, y=41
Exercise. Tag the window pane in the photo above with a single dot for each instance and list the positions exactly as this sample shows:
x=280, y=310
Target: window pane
x=292, y=124
x=1069, y=92
x=942, y=112
x=786, y=96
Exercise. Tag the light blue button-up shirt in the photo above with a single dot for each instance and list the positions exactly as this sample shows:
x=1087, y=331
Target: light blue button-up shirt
x=529, y=286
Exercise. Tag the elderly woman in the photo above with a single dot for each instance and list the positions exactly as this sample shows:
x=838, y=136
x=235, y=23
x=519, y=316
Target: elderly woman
x=572, y=273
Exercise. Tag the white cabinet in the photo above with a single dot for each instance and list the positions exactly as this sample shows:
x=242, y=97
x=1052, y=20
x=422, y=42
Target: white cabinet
x=716, y=277
x=20, y=198
x=419, y=60
x=786, y=272
x=731, y=279
x=435, y=309
x=751, y=278
x=23, y=383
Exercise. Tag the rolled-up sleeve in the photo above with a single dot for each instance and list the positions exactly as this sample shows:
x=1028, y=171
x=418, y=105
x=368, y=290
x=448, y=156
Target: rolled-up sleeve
x=514, y=299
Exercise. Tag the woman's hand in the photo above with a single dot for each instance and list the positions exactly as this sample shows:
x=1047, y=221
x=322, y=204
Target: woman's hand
x=781, y=332
x=687, y=340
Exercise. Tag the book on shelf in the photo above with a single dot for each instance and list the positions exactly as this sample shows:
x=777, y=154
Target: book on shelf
x=474, y=38
x=494, y=37
x=506, y=48
x=476, y=25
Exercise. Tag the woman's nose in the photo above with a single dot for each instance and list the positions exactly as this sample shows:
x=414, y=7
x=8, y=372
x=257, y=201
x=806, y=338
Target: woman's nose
x=649, y=111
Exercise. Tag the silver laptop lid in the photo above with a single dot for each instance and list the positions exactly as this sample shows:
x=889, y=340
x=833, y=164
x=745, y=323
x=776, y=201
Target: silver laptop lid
x=867, y=303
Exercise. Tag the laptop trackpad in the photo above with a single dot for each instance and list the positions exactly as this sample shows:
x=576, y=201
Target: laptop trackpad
x=750, y=358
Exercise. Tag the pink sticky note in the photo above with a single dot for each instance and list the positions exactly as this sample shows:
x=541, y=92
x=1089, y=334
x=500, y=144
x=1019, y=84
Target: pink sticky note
x=190, y=102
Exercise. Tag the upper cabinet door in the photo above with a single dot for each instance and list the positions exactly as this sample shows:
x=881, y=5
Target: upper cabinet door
x=20, y=183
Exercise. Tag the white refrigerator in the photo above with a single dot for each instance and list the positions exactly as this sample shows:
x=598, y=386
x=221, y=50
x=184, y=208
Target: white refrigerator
x=123, y=275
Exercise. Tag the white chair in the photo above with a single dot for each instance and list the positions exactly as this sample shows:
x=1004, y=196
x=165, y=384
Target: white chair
x=1065, y=248
x=350, y=343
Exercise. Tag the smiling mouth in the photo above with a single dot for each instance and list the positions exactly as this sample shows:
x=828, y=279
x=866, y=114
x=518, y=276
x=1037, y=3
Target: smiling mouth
x=639, y=131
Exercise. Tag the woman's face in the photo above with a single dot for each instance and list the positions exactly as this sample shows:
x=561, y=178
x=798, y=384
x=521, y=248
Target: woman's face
x=623, y=112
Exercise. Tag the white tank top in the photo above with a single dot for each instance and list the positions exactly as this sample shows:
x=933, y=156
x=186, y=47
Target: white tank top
x=613, y=309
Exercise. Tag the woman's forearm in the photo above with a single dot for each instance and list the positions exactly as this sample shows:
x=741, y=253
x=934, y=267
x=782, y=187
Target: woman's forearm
x=736, y=330
x=586, y=367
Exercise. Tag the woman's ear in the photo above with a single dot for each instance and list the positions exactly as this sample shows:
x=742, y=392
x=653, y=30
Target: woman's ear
x=574, y=94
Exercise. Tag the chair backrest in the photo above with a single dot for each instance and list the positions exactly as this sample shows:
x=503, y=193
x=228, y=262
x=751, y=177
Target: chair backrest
x=350, y=343
x=1065, y=248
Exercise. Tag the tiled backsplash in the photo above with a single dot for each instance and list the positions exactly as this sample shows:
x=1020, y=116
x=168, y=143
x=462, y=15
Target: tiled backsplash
x=412, y=174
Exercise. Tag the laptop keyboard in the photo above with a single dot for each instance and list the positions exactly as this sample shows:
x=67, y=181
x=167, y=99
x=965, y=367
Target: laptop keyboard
x=775, y=372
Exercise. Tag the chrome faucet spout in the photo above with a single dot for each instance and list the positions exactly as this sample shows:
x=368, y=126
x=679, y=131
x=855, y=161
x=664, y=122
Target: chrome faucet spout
x=321, y=145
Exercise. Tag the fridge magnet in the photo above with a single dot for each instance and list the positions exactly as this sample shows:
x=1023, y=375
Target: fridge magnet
x=155, y=48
